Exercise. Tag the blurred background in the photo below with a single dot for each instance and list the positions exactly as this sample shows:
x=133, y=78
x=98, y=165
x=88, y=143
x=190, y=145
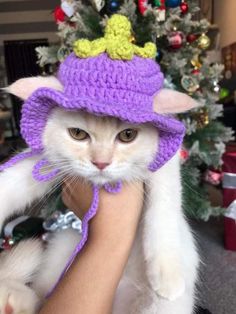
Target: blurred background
x=196, y=49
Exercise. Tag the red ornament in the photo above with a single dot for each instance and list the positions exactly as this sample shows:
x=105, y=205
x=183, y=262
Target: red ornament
x=142, y=6
x=184, y=154
x=7, y=243
x=59, y=14
x=213, y=176
x=176, y=39
x=195, y=71
x=191, y=38
x=184, y=7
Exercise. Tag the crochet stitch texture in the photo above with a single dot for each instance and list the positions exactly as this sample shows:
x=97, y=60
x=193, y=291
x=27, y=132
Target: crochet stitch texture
x=116, y=42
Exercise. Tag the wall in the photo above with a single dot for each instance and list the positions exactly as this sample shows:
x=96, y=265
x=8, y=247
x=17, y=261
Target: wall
x=224, y=17
x=25, y=19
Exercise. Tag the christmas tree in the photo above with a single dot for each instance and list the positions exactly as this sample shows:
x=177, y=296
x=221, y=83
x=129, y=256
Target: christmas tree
x=182, y=43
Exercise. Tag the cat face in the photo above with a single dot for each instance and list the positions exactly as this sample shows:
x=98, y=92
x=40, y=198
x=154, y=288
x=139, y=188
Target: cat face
x=100, y=149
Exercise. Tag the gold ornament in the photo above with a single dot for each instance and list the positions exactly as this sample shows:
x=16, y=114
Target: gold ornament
x=204, y=41
x=196, y=63
x=202, y=118
x=132, y=39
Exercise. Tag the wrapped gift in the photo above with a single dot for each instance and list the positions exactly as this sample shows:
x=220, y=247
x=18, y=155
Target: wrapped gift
x=229, y=199
x=230, y=227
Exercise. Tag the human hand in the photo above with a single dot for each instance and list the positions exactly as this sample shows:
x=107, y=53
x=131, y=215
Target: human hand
x=119, y=211
x=111, y=235
x=77, y=196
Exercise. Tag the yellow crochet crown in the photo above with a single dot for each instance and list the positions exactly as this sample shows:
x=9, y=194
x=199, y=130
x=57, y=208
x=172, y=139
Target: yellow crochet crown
x=116, y=42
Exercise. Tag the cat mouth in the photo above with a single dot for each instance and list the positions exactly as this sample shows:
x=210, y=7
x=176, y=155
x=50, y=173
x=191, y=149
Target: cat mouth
x=101, y=177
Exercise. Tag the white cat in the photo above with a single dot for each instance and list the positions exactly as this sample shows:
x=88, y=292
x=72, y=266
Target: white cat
x=161, y=273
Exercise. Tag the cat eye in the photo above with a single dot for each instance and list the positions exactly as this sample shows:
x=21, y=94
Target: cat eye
x=78, y=134
x=127, y=135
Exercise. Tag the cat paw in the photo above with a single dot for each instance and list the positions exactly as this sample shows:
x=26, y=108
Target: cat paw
x=166, y=279
x=16, y=298
x=171, y=287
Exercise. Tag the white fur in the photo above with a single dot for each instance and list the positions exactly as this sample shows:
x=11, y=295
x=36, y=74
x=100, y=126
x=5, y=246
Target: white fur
x=19, y=189
x=17, y=268
x=59, y=249
x=19, y=297
x=29, y=252
x=161, y=272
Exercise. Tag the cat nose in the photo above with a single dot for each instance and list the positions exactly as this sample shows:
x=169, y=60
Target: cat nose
x=100, y=165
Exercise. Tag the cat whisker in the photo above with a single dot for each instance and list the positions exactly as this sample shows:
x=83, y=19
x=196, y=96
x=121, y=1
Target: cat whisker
x=56, y=185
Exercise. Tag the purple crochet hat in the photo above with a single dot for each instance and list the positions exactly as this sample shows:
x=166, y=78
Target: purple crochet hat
x=102, y=86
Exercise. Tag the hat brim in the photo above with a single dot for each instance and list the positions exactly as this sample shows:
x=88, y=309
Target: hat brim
x=39, y=105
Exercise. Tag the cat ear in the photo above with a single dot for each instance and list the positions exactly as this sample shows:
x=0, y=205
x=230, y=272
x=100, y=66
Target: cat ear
x=170, y=101
x=24, y=87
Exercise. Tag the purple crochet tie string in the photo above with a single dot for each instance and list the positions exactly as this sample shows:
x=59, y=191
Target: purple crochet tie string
x=19, y=157
x=41, y=177
x=113, y=188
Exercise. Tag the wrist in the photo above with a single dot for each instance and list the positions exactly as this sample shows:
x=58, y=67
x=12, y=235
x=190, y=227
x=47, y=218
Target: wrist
x=117, y=217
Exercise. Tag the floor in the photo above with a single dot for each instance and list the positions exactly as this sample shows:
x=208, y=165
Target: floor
x=217, y=287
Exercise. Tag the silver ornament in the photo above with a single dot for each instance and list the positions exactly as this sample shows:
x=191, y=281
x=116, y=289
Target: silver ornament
x=98, y=4
x=62, y=53
x=60, y=221
x=68, y=7
x=189, y=84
